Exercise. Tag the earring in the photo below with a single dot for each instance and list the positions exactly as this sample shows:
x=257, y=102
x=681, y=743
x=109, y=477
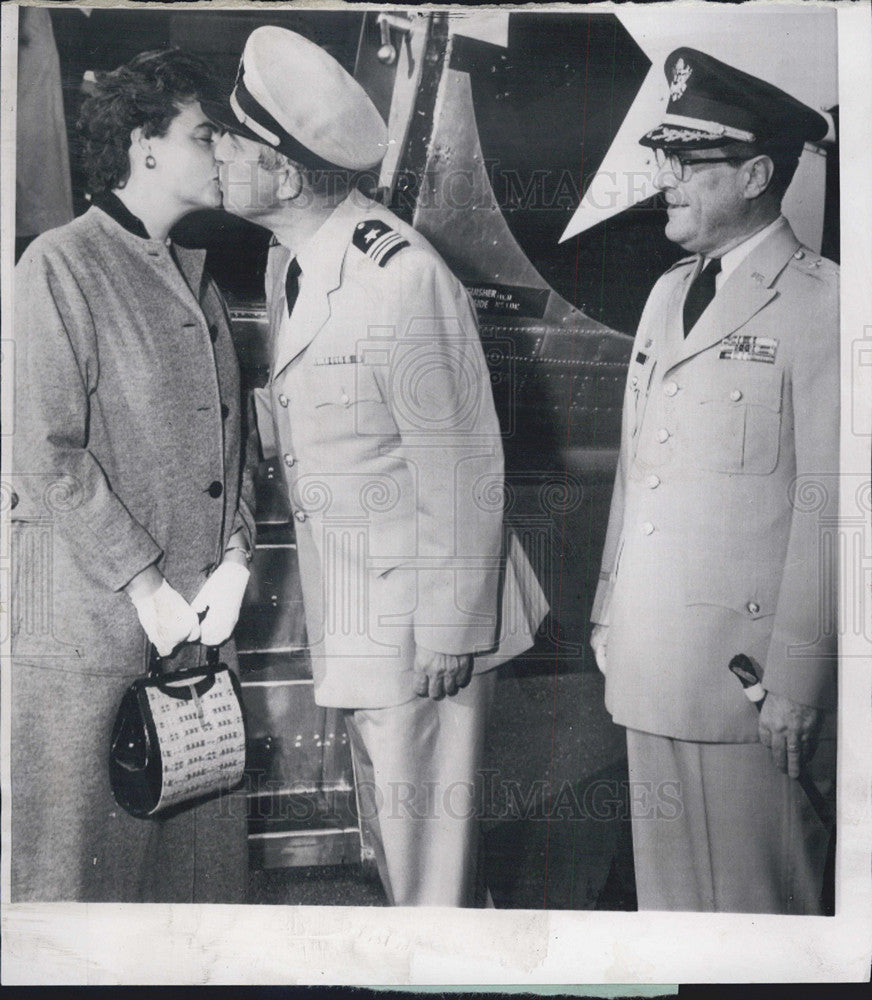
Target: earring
x=150, y=162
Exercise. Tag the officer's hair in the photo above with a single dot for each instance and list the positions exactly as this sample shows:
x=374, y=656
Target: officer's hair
x=147, y=93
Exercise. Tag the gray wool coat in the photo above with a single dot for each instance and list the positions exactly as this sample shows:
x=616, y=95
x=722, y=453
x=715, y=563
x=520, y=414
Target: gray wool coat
x=127, y=451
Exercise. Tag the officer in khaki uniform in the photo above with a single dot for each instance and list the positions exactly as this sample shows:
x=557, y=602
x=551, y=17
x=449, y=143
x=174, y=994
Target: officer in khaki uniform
x=380, y=408
x=715, y=547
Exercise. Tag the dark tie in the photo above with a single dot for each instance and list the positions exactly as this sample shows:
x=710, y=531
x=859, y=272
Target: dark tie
x=700, y=293
x=292, y=284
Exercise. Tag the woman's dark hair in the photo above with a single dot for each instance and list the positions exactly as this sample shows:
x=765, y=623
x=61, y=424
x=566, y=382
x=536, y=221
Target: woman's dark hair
x=147, y=92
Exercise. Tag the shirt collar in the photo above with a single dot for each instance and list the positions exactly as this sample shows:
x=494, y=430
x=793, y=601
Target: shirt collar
x=733, y=258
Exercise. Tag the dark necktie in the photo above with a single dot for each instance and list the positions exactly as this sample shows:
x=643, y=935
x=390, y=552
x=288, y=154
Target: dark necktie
x=700, y=293
x=292, y=284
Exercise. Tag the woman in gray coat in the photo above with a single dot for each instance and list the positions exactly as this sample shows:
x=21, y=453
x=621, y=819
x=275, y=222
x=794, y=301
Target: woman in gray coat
x=129, y=516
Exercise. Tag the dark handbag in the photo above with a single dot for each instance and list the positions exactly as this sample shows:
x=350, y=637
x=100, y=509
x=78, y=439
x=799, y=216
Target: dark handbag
x=178, y=737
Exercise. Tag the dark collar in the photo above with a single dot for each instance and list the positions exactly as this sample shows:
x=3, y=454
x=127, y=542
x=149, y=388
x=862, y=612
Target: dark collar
x=115, y=208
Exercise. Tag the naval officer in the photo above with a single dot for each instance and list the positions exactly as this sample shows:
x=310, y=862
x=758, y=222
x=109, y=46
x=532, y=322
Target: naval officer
x=726, y=476
x=379, y=406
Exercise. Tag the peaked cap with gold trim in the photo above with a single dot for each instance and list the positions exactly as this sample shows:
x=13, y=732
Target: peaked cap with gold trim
x=712, y=104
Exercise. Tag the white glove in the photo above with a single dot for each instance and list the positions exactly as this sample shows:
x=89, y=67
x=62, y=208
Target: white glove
x=221, y=598
x=598, y=639
x=167, y=618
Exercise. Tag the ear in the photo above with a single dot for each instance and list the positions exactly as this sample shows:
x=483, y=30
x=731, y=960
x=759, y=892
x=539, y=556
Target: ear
x=759, y=174
x=140, y=146
x=290, y=183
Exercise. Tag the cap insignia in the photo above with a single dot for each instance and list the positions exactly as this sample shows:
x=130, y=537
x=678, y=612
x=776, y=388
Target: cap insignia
x=377, y=240
x=680, y=75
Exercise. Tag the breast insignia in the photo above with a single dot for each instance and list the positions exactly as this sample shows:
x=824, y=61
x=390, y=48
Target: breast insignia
x=378, y=241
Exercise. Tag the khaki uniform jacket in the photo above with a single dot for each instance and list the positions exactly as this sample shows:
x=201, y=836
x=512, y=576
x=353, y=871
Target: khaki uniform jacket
x=716, y=542
x=381, y=413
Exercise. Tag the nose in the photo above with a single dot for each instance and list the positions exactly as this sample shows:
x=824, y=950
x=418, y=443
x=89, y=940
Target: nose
x=665, y=177
x=220, y=148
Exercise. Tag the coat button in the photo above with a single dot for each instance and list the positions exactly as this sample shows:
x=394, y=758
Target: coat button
x=798, y=255
x=736, y=395
x=647, y=528
x=345, y=399
x=289, y=460
x=300, y=515
x=753, y=607
x=283, y=399
x=670, y=388
x=215, y=489
x=663, y=435
x=634, y=381
x=213, y=333
x=652, y=482
x=225, y=410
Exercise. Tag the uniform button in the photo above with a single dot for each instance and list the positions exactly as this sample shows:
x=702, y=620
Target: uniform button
x=213, y=333
x=225, y=410
x=289, y=460
x=283, y=399
x=663, y=435
x=753, y=607
x=13, y=500
x=670, y=388
x=215, y=489
x=652, y=482
x=736, y=395
x=345, y=399
x=300, y=515
x=634, y=381
x=647, y=528
x=798, y=255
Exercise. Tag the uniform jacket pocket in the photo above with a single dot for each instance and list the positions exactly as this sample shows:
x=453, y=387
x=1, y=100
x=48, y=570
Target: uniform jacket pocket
x=353, y=390
x=734, y=425
x=748, y=590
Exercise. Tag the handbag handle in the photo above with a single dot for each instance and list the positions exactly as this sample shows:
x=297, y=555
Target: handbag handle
x=155, y=661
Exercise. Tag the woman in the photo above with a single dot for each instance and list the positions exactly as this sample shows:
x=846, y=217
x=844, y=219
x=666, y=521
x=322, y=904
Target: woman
x=129, y=511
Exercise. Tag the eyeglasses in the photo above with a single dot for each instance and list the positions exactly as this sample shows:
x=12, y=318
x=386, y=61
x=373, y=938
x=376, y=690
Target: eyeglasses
x=681, y=166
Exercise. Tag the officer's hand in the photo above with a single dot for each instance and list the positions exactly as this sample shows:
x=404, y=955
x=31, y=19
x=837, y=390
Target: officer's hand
x=438, y=674
x=166, y=617
x=790, y=730
x=598, y=637
x=220, y=598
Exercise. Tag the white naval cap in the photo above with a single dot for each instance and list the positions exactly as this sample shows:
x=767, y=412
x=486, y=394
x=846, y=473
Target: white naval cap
x=293, y=96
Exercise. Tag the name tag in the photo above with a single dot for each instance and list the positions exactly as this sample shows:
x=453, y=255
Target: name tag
x=339, y=359
x=741, y=347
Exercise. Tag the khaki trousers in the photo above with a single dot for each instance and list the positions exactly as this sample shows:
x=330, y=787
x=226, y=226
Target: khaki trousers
x=418, y=787
x=717, y=827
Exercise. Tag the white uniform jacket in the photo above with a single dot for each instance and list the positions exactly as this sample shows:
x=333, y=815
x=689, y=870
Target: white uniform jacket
x=725, y=494
x=381, y=414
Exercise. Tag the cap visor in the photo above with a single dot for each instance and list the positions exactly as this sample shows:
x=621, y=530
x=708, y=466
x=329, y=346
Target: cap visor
x=670, y=137
x=222, y=115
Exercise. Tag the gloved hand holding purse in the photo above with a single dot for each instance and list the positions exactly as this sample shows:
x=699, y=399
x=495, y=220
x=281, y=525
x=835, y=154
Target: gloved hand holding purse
x=220, y=598
x=166, y=617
